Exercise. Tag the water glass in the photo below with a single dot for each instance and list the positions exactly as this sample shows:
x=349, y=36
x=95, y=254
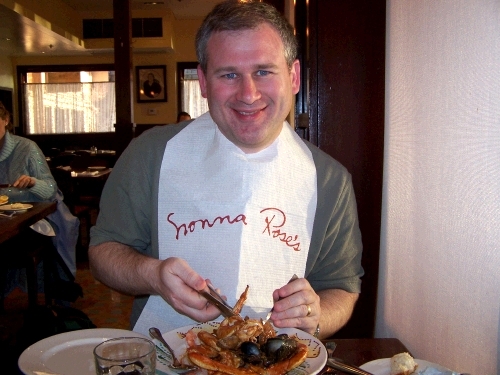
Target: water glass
x=125, y=356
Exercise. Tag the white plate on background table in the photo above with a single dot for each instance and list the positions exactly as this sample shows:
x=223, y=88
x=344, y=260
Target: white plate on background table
x=15, y=207
x=316, y=358
x=383, y=366
x=69, y=353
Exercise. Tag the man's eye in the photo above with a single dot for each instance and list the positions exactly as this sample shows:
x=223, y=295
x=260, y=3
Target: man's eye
x=230, y=75
x=263, y=73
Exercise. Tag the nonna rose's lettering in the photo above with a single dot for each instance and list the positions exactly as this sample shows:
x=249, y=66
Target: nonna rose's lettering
x=275, y=220
x=203, y=223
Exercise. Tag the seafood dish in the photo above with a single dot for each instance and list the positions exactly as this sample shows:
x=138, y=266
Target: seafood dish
x=244, y=346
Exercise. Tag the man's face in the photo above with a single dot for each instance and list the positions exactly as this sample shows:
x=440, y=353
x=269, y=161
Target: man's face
x=249, y=86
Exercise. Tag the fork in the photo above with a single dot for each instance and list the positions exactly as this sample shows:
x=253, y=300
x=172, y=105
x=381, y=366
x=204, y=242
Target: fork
x=268, y=316
x=7, y=215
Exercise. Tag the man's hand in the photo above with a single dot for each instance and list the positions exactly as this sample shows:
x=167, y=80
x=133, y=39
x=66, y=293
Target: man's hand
x=124, y=269
x=179, y=286
x=297, y=305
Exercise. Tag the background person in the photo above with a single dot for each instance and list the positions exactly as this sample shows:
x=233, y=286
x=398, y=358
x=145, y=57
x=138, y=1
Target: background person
x=235, y=196
x=183, y=116
x=23, y=165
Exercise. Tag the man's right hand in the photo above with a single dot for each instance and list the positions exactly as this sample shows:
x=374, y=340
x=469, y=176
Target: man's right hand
x=124, y=269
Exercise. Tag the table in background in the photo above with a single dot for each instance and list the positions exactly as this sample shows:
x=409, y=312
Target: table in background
x=359, y=351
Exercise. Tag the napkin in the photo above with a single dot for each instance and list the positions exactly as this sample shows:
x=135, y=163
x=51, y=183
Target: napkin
x=238, y=219
x=43, y=227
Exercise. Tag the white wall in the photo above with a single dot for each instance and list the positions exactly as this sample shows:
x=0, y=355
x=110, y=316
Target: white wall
x=440, y=256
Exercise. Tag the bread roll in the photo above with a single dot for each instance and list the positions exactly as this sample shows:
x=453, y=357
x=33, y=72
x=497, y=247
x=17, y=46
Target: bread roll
x=402, y=364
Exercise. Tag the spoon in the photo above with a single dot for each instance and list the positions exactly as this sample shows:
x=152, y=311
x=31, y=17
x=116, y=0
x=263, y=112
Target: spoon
x=176, y=365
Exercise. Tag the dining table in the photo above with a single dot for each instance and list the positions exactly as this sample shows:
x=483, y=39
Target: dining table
x=362, y=350
x=20, y=221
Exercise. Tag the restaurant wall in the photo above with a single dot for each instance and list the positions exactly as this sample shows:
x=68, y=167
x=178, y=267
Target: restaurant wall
x=165, y=112
x=440, y=252
x=6, y=72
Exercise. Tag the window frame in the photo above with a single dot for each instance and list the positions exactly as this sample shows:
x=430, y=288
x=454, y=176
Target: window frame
x=180, y=77
x=22, y=72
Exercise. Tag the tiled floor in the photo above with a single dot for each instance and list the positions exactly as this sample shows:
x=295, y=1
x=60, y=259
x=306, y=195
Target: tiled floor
x=105, y=307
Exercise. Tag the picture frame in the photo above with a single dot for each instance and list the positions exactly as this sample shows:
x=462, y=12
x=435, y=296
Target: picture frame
x=151, y=83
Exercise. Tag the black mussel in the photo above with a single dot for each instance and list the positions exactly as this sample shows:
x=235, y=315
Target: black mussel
x=251, y=352
x=279, y=348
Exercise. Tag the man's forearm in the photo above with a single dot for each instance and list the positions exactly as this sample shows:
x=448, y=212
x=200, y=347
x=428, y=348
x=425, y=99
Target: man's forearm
x=336, y=309
x=122, y=268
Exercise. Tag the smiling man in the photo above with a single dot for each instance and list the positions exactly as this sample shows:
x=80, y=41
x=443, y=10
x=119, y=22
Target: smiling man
x=234, y=197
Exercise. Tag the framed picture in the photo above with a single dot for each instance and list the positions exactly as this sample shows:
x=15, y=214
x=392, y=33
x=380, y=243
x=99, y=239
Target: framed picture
x=151, y=83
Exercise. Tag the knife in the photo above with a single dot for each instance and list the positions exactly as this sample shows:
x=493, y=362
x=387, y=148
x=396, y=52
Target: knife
x=226, y=311
x=340, y=366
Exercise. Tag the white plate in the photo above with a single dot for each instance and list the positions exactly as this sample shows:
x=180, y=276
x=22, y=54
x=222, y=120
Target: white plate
x=97, y=168
x=22, y=207
x=316, y=358
x=69, y=353
x=383, y=366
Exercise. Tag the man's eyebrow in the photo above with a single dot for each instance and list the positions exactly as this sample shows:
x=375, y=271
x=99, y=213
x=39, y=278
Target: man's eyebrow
x=234, y=69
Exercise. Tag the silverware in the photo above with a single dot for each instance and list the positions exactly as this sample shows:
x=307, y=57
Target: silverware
x=214, y=292
x=7, y=215
x=225, y=310
x=336, y=364
x=176, y=365
x=268, y=316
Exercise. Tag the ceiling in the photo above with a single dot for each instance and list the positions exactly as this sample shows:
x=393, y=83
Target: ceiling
x=20, y=36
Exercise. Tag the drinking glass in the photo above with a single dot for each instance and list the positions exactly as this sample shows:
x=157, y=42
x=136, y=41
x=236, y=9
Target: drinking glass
x=125, y=356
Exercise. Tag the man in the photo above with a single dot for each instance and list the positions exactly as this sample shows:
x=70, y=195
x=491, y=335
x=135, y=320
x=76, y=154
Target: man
x=234, y=196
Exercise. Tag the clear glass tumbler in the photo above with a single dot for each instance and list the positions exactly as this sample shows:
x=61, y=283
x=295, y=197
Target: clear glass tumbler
x=125, y=356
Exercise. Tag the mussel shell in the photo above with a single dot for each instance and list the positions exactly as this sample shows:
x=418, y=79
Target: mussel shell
x=251, y=352
x=279, y=348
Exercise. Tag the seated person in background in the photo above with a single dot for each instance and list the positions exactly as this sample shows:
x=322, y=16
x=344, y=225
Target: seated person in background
x=183, y=116
x=234, y=197
x=23, y=166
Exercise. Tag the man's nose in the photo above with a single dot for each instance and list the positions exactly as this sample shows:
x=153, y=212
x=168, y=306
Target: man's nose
x=248, y=92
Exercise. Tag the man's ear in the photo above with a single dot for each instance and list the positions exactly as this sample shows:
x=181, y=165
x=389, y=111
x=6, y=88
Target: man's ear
x=295, y=76
x=203, y=81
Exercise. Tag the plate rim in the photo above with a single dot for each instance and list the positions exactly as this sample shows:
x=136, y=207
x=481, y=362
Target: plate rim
x=420, y=362
x=27, y=206
x=304, y=336
x=34, y=353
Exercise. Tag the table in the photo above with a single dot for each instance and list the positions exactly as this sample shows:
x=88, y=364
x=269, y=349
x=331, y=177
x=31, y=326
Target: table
x=10, y=227
x=359, y=351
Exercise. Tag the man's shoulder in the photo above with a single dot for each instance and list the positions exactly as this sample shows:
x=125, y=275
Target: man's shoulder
x=160, y=134
x=324, y=161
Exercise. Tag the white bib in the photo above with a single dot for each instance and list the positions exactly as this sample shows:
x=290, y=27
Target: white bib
x=238, y=219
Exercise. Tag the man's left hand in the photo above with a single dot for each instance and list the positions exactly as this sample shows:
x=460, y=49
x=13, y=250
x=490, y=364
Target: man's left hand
x=296, y=305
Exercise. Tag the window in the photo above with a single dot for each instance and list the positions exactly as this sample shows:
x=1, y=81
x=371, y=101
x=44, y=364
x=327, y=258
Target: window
x=70, y=101
x=190, y=98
